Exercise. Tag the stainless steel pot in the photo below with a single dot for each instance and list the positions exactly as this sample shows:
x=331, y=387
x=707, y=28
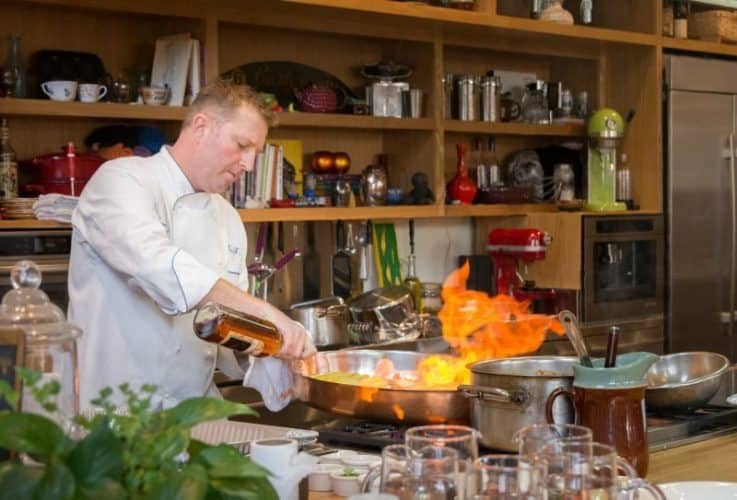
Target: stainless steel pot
x=384, y=314
x=510, y=393
x=326, y=320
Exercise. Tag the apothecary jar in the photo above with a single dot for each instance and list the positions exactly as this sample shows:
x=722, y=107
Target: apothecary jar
x=50, y=341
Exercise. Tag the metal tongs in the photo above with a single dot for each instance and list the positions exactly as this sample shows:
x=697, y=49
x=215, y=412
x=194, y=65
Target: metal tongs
x=573, y=332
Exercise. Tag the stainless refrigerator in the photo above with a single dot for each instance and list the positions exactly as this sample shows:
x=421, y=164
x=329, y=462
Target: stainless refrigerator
x=701, y=204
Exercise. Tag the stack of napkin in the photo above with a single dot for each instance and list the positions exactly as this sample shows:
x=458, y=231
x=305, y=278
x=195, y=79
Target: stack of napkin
x=58, y=207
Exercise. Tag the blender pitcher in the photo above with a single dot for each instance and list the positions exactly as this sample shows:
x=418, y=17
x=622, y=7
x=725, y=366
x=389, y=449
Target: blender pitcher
x=606, y=131
x=50, y=342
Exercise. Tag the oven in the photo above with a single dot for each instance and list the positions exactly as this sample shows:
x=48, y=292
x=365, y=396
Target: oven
x=49, y=249
x=623, y=269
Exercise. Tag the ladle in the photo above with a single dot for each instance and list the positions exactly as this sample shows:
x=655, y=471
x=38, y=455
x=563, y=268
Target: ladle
x=570, y=324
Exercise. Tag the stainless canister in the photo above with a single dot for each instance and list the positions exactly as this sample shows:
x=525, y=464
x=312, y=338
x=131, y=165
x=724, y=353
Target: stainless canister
x=448, y=96
x=469, y=97
x=491, y=97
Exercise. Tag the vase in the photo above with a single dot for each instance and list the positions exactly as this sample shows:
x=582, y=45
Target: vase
x=461, y=188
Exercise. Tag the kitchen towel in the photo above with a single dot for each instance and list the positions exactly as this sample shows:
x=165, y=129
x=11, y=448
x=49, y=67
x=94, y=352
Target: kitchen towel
x=58, y=207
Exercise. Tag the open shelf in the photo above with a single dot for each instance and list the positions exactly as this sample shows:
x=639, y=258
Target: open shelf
x=699, y=46
x=41, y=107
x=32, y=224
x=555, y=130
x=335, y=213
x=497, y=210
x=352, y=121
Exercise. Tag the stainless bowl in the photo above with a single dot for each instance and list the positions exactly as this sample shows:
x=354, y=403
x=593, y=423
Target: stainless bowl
x=684, y=381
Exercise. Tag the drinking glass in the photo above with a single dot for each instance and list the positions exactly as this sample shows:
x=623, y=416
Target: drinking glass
x=533, y=438
x=590, y=470
x=429, y=473
x=509, y=477
x=464, y=440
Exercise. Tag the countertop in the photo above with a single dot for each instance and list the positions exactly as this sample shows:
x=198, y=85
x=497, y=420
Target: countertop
x=710, y=460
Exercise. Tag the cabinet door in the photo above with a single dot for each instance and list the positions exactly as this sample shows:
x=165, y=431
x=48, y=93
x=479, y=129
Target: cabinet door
x=700, y=220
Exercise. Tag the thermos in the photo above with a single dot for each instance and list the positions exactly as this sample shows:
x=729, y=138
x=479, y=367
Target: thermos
x=491, y=97
x=469, y=97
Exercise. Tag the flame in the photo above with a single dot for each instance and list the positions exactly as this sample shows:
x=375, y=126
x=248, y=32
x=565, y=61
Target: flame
x=480, y=327
x=398, y=411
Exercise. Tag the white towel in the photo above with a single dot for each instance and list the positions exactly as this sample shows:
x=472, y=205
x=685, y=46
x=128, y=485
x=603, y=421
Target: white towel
x=54, y=206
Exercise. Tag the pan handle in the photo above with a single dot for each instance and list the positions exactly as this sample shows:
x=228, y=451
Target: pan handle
x=517, y=397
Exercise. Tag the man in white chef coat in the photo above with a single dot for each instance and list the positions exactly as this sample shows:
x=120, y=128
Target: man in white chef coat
x=152, y=240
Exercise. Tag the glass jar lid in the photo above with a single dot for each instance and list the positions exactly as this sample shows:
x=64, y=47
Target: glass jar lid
x=27, y=307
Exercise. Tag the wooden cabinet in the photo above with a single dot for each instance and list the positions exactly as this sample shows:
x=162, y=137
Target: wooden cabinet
x=617, y=60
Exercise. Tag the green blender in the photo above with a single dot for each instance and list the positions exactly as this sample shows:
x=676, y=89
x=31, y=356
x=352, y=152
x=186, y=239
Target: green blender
x=606, y=131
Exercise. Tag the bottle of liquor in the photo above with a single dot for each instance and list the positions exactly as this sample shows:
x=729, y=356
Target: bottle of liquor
x=236, y=330
x=8, y=164
x=412, y=281
x=14, y=72
x=680, y=19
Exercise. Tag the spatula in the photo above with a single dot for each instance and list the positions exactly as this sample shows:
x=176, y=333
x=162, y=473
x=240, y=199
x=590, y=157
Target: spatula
x=342, y=275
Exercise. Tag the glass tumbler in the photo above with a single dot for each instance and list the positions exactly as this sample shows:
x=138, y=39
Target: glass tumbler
x=509, y=477
x=533, y=438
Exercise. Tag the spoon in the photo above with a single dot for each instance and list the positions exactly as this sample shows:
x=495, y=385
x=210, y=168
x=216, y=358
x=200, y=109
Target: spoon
x=570, y=324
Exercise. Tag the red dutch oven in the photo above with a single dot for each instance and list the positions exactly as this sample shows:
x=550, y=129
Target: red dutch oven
x=59, y=172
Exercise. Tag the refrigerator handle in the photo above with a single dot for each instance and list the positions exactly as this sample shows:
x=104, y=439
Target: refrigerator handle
x=733, y=237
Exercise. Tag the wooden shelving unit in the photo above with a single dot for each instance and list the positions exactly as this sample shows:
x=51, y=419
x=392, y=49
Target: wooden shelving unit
x=352, y=121
x=521, y=129
x=699, y=46
x=54, y=109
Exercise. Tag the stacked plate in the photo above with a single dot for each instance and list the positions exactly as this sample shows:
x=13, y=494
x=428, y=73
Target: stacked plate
x=18, y=208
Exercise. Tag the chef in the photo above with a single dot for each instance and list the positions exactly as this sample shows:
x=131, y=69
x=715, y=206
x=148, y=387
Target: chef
x=152, y=240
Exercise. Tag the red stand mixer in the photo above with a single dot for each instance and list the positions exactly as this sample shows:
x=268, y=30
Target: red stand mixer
x=508, y=247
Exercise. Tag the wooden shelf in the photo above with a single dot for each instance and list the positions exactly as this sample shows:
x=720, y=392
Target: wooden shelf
x=352, y=121
x=474, y=127
x=497, y=210
x=334, y=213
x=32, y=224
x=699, y=46
x=40, y=107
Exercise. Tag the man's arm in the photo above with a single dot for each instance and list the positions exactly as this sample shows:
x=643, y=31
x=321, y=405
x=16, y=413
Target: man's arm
x=296, y=341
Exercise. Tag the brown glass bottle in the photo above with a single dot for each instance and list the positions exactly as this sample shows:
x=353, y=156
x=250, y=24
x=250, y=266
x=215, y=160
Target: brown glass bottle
x=236, y=330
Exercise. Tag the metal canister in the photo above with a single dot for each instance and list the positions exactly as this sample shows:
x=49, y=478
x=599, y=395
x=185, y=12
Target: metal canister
x=448, y=96
x=469, y=97
x=491, y=96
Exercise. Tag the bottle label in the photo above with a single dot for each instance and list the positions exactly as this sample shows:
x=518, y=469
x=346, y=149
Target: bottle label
x=8, y=180
x=239, y=342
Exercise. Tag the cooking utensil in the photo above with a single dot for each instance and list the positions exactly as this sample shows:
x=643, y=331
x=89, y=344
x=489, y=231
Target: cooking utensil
x=384, y=314
x=342, y=275
x=684, y=381
x=568, y=320
x=384, y=405
x=611, y=347
x=326, y=320
x=508, y=394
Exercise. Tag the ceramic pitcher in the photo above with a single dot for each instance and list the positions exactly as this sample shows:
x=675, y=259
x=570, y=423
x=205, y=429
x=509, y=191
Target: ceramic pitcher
x=611, y=402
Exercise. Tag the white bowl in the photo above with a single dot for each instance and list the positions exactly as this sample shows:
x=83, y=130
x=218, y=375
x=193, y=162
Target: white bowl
x=361, y=461
x=336, y=458
x=303, y=436
x=696, y=490
x=345, y=486
x=319, y=479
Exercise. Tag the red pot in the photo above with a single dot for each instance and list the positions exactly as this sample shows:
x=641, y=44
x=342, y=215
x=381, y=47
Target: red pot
x=52, y=173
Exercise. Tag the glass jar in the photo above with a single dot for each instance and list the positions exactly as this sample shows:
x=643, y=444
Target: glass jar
x=535, y=103
x=50, y=342
x=431, y=304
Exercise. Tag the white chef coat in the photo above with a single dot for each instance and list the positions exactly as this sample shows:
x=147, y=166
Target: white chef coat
x=146, y=248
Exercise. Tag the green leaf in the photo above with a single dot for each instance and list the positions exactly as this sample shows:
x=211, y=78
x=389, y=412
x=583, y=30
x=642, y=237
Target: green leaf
x=225, y=461
x=99, y=455
x=195, y=410
x=57, y=482
x=105, y=488
x=247, y=489
x=188, y=484
x=18, y=481
x=9, y=394
x=195, y=447
x=158, y=447
x=33, y=434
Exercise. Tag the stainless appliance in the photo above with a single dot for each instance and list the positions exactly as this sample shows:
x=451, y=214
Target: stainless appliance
x=701, y=204
x=622, y=284
x=49, y=249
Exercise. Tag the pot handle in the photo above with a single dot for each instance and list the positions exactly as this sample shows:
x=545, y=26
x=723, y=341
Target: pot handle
x=551, y=400
x=518, y=397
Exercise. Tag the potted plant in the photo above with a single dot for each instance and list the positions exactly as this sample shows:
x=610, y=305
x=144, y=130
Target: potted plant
x=137, y=454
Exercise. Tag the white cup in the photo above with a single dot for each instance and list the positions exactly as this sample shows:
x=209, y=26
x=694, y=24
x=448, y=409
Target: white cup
x=274, y=454
x=91, y=92
x=60, y=90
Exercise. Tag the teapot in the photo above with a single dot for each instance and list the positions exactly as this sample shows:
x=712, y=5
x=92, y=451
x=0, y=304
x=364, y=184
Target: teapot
x=611, y=402
x=318, y=99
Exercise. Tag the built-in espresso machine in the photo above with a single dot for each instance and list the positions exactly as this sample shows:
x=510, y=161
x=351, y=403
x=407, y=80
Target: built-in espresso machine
x=622, y=280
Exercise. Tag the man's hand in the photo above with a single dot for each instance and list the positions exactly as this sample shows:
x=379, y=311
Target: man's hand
x=297, y=342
